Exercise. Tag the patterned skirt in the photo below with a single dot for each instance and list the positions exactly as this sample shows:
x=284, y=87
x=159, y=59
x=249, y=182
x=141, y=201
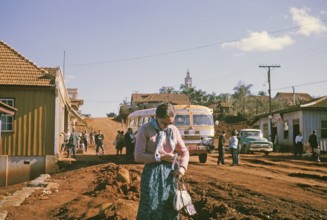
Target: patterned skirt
x=157, y=193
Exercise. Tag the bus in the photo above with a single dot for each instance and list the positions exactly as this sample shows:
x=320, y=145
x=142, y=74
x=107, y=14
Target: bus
x=194, y=122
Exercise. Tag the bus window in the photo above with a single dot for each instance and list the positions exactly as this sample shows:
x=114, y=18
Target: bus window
x=132, y=122
x=141, y=121
x=181, y=120
x=202, y=120
x=146, y=119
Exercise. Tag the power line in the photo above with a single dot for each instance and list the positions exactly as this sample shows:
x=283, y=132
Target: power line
x=101, y=101
x=182, y=50
x=304, y=84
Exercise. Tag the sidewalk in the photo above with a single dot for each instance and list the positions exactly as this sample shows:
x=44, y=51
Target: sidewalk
x=17, y=198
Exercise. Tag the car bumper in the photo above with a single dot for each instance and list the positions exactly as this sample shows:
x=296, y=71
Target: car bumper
x=261, y=149
x=199, y=149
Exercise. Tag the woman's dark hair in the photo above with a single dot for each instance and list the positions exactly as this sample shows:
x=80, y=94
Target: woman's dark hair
x=165, y=110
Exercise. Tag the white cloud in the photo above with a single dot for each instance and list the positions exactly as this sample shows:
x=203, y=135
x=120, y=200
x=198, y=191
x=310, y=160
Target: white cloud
x=308, y=24
x=260, y=41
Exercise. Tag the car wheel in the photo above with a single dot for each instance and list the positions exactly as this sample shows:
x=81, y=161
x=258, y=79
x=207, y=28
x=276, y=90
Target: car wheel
x=203, y=158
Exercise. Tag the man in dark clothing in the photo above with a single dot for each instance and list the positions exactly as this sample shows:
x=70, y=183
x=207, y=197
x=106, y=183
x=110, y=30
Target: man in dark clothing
x=99, y=142
x=221, y=148
x=72, y=143
x=313, y=141
x=129, y=140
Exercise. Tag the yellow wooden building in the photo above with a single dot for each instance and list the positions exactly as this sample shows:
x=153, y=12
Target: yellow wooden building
x=31, y=138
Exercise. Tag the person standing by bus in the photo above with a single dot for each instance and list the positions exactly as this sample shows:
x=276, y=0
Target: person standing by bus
x=156, y=143
x=221, y=148
x=129, y=140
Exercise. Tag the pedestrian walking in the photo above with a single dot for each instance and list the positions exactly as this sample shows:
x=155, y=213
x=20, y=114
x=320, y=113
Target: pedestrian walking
x=73, y=143
x=313, y=141
x=99, y=137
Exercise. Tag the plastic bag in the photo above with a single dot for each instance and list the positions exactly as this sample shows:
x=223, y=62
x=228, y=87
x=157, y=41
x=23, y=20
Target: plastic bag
x=181, y=199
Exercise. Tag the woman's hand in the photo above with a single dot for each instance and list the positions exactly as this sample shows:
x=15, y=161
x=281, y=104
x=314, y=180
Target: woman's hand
x=168, y=157
x=179, y=172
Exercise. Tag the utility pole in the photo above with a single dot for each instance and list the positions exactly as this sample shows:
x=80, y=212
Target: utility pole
x=293, y=95
x=64, y=63
x=269, y=91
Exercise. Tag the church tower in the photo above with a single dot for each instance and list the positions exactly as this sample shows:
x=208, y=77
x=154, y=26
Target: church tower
x=188, y=80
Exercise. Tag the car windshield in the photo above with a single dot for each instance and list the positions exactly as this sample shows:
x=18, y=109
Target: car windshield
x=181, y=120
x=202, y=120
x=251, y=133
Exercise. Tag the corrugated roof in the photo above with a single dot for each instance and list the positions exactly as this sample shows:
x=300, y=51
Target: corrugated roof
x=316, y=103
x=15, y=69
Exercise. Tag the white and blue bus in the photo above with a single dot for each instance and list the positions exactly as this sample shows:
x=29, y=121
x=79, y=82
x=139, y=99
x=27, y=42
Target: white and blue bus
x=195, y=124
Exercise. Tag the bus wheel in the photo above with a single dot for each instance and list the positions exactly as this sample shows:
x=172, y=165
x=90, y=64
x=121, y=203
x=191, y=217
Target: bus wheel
x=203, y=158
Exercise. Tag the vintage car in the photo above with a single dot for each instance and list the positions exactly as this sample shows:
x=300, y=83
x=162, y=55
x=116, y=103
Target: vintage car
x=252, y=140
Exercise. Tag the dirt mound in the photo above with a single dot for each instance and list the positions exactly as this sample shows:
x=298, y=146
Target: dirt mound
x=116, y=181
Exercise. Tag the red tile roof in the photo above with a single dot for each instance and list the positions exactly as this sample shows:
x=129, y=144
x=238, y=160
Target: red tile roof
x=15, y=69
x=288, y=95
x=153, y=97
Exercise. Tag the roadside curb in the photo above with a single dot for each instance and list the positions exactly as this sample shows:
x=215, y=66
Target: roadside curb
x=17, y=198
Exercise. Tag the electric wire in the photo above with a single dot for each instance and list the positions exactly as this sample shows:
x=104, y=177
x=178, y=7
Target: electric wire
x=183, y=50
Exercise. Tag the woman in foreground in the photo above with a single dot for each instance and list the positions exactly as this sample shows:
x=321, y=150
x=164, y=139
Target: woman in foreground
x=157, y=143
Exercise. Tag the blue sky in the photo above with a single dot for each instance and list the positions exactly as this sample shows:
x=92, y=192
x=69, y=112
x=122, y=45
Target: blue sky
x=115, y=48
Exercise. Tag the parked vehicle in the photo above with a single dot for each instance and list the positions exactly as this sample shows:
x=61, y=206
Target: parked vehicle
x=252, y=140
x=195, y=124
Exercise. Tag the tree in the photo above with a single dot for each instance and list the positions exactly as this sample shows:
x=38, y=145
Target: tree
x=241, y=92
x=262, y=93
x=166, y=89
x=212, y=98
x=125, y=101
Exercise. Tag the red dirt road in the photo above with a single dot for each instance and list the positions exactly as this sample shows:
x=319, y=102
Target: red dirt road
x=277, y=186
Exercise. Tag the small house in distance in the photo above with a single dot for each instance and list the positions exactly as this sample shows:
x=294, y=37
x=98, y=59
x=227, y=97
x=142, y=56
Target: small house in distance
x=141, y=101
x=288, y=122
